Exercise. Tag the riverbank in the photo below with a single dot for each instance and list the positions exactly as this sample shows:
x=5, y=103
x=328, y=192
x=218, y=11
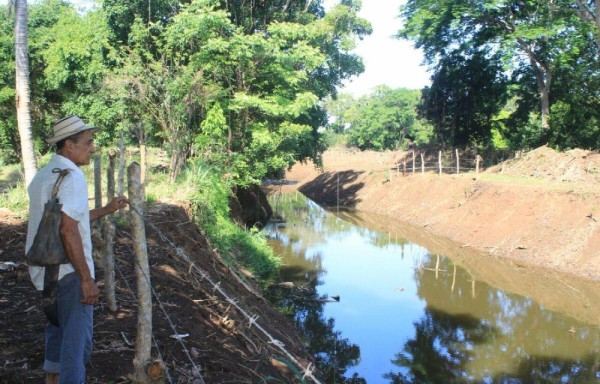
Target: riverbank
x=540, y=210
x=195, y=327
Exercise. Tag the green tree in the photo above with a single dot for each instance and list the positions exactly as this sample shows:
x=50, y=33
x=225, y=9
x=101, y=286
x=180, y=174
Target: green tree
x=465, y=95
x=121, y=15
x=9, y=144
x=534, y=37
x=589, y=12
x=269, y=83
x=76, y=54
x=384, y=119
x=337, y=109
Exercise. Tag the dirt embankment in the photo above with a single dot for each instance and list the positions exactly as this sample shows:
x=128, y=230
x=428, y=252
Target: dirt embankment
x=542, y=209
x=213, y=334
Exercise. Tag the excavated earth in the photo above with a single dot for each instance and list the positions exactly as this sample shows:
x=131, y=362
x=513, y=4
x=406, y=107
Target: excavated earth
x=541, y=209
x=194, y=326
x=529, y=225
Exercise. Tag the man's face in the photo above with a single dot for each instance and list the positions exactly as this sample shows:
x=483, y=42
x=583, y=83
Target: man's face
x=80, y=151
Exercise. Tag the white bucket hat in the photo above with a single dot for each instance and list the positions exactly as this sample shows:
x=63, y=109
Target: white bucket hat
x=68, y=126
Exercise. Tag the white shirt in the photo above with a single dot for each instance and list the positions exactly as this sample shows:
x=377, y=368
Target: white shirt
x=73, y=196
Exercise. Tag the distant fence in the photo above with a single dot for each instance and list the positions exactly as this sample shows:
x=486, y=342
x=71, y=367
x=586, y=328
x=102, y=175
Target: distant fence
x=444, y=162
x=419, y=161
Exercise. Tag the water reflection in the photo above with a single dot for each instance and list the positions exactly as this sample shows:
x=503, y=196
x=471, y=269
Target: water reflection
x=472, y=332
x=306, y=225
x=408, y=315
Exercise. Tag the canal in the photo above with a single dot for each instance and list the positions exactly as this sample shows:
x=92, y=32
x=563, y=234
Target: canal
x=382, y=302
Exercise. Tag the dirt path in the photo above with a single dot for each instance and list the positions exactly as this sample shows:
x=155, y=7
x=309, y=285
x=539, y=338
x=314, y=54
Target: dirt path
x=542, y=209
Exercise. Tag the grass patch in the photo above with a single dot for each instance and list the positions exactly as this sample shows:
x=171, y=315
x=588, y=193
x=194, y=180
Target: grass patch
x=237, y=245
x=13, y=194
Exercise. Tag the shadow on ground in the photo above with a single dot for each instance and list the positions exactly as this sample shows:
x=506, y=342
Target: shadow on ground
x=328, y=187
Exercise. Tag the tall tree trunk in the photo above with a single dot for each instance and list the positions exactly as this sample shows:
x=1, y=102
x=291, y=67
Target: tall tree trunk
x=22, y=88
x=544, y=80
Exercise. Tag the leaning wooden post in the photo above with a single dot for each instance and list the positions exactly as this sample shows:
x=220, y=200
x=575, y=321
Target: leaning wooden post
x=413, y=159
x=477, y=160
x=440, y=162
x=422, y=165
x=121, y=174
x=457, y=162
x=143, y=341
x=97, y=181
x=108, y=230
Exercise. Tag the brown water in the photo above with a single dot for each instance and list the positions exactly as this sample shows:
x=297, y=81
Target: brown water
x=416, y=308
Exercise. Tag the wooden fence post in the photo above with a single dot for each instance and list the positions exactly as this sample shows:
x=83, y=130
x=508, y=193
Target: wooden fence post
x=413, y=159
x=457, y=162
x=142, y=359
x=404, y=167
x=108, y=231
x=440, y=162
x=98, y=181
x=422, y=165
x=477, y=160
x=121, y=175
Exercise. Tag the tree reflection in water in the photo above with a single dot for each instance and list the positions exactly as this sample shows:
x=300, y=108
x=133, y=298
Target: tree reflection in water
x=440, y=352
x=482, y=335
x=333, y=354
x=439, y=349
x=450, y=328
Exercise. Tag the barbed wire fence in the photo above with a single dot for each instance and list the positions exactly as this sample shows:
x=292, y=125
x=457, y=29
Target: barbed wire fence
x=252, y=319
x=308, y=371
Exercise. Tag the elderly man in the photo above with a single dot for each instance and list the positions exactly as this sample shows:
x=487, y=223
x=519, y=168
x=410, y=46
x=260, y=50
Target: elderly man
x=69, y=345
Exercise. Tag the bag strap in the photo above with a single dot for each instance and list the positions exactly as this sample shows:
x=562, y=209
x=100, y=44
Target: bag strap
x=61, y=175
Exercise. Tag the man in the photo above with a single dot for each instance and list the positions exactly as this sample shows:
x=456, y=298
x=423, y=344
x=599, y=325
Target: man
x=69, y=345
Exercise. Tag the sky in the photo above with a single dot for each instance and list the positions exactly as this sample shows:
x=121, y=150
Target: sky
x=387, y=60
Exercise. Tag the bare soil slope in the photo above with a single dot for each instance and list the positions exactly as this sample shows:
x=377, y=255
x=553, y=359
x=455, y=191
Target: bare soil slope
x=541, y=209
x=217, y=338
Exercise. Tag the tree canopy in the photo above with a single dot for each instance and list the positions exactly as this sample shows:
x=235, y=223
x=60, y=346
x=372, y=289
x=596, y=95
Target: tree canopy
x=519, y=50
x=385, y=119
x=236, y=83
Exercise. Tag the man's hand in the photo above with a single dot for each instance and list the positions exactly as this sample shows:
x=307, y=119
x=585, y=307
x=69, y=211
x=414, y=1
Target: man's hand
x=90, y=292
x=116, y=204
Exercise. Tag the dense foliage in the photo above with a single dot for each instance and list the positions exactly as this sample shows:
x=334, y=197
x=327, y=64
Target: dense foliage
x=235, y=83
x=385, y=119
x=528, y=70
